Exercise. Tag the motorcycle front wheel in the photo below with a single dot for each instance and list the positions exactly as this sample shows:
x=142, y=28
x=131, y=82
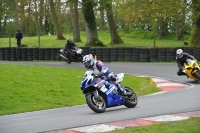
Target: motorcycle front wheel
x=197, y=75
x=80, y=58
x=131, y=101
x=98, y=105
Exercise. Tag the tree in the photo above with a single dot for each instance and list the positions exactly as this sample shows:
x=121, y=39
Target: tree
x=75, y=20
x=101, y=10
x=55, y=21
x=115, y=38
x=90, y=23
x=37, y=22
x=195, y=32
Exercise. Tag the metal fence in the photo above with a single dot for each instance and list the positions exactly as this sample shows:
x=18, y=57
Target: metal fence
x=103, y=54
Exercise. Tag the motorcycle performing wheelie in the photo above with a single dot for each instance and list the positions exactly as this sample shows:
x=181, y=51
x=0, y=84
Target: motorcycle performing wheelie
x=192, y=69
x=99, y=96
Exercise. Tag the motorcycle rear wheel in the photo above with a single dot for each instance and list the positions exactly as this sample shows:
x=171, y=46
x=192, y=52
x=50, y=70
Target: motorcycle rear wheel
x=97, y=105
x=68, y=62
x=131, y=101
x=197, y=75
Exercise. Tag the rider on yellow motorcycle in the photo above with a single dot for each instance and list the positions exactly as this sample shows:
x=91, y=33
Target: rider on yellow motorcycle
x=181, y=58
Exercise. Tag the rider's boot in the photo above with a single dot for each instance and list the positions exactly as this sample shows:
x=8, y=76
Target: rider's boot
x=122, y=91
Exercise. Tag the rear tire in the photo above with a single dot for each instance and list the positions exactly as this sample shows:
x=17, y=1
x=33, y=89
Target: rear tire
x=98, y=106
x=132, y=100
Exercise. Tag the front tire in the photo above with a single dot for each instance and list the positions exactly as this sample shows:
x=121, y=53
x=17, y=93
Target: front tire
x=131, y=101
x=80, y=58
x=197, y=75
x=97, y=105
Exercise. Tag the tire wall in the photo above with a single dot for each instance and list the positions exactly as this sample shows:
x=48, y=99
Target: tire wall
x=103, y=54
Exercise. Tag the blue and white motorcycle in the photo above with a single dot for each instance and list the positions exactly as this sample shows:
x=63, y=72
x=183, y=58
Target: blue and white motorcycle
x=100, y=96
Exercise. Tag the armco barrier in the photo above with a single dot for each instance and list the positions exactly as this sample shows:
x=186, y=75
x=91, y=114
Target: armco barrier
x=103, y=54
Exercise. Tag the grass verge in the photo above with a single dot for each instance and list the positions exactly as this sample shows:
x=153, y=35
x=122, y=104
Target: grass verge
x=30, y=88
x=134, y=39
x=190, y=125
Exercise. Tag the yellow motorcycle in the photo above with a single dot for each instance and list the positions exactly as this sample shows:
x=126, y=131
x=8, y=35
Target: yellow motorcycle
x=192, y=69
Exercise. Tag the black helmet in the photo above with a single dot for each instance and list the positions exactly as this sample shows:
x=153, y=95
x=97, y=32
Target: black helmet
x=69, y=40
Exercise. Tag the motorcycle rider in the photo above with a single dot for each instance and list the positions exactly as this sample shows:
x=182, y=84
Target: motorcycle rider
x=92, y=64
x=69, y=46
x=181, y=58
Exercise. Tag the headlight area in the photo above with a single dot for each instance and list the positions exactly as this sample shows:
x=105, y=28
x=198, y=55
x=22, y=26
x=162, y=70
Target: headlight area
x=194, y=64
x=79, y=51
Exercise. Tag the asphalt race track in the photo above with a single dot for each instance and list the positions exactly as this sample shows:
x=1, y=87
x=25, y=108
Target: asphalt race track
x=180, y=101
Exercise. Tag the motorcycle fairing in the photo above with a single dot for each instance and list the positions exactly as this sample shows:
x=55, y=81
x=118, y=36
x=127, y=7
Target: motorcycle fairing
x=190, y=68
x=113, y=99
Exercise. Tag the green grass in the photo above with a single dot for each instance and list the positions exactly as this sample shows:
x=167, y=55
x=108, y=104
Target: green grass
x=29, y=88
x=184, y=126
x=133, y=39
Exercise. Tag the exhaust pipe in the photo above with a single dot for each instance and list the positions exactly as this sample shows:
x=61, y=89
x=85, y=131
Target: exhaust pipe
x=63, y=57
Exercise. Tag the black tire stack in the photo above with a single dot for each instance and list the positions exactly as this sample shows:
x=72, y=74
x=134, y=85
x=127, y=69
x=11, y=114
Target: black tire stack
x=153, y=55
x=171, y=52
x=41, y=54
x=7, y=54
x=162, y=55
x=2, y=54
x=13, y=54
x=121, y=54
x=99, y=54
x=135, y=54
x=24, y=54
x=113, y=54
x=54, y=54
x=144, y=54
x=35, y=53
x=92, y=51
x=128, y=54
x=30, y=54
x=196, y=53
x=19, y=54
x=47, y=55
